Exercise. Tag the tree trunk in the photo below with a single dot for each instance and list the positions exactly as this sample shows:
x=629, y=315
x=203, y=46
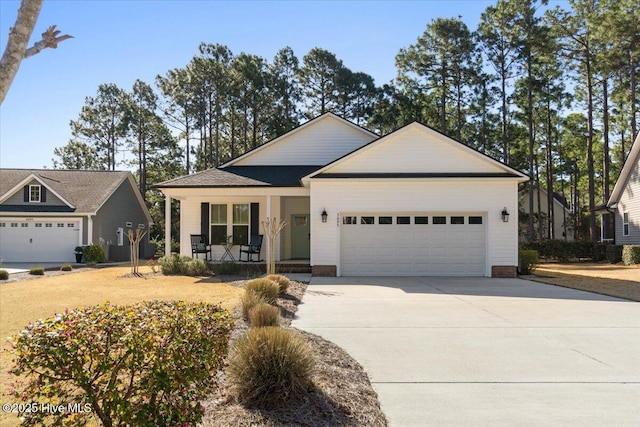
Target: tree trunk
x=593, y=230
x=16, y=47
x=606, y=158
x=531, y=138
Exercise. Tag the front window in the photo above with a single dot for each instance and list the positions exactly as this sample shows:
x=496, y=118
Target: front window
x=218, y=224
x=625, y=224
x=34, y=193
x=240, y=224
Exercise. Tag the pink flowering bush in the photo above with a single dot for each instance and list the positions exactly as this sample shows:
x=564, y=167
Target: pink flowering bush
x=146, y=364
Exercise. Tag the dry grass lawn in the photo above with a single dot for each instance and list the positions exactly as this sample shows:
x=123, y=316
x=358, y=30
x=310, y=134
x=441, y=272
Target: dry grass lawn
x=608, y=279
x=24, y=301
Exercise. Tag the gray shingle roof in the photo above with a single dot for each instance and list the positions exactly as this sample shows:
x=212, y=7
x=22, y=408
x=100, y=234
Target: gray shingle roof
x=243, y=176
x=86, y=190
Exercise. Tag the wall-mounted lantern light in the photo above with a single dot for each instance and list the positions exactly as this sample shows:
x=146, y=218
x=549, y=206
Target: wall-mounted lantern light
x=505, y=215
x=324, y=215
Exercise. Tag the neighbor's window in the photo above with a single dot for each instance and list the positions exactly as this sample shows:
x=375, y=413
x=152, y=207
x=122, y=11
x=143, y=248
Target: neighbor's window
x=439, y=219
x=625, y=224
x=34, y=193
x=385, y=220
x=218, y=224
x=240, y=224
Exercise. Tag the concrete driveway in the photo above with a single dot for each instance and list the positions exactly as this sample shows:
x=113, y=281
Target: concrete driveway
x=484, y=352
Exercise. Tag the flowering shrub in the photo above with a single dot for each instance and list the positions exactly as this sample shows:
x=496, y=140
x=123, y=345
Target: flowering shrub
x=146, y=364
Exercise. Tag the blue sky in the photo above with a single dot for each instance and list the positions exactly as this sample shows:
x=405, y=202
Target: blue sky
x=121, y=41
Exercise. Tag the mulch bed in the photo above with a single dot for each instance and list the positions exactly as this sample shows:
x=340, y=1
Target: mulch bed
x=342, y=395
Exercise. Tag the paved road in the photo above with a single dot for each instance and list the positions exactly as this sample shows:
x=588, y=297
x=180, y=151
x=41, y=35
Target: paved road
x=485, y=352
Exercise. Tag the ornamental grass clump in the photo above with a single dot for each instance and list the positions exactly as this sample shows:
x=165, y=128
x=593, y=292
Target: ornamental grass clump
x=37, y=271
x=146, y=364
x=249, y=300
x=66, y=267
x=264, y=315
x=269, y=366
x=282, y=282
x=268, y=289
x=4, y=275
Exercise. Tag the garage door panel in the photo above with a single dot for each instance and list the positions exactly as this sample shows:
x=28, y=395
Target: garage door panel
x=413, y=249
x=38, y=241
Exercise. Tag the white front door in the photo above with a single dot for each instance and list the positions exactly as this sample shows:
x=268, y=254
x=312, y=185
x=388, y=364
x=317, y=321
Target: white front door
x=406, y=244
x=39, y=240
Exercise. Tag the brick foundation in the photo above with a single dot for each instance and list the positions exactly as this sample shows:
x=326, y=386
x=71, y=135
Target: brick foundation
x=324, y=270
x=504, y=271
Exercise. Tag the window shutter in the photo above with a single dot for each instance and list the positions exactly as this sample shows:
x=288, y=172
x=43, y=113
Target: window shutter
x=254, y=221
x=43, y=193
x=26, y=193
x=204, y=220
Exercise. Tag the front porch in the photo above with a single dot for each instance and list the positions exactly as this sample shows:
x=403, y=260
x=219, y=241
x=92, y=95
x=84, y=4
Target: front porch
x=260, y=267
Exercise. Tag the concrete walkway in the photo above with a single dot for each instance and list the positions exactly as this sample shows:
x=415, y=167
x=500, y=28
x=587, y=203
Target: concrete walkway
x=484, y=352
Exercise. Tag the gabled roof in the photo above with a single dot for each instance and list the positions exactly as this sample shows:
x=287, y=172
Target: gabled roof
x=243, y=176
x=82, y=191
x=632, y=160
x=494, y=168
x=313, y=122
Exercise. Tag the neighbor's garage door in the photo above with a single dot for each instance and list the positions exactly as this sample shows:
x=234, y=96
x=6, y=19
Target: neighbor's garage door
x=38, y=241
x=413, y=244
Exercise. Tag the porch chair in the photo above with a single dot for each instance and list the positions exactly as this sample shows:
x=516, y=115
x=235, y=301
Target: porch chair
x=254, y=247
x=200, y=245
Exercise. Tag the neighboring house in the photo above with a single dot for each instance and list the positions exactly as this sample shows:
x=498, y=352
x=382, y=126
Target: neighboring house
x=562, y=216
x=46, y=213
x=413, y=202
x=624, y=202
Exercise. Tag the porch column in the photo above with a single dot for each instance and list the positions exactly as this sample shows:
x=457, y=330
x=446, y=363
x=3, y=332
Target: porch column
x=268, y=216
x=89, y=230
x=167, y=226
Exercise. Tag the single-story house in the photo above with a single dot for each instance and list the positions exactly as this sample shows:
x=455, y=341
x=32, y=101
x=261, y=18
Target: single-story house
x=46, y=213
x=413, y=202
x=623, y=207
x=562, y=216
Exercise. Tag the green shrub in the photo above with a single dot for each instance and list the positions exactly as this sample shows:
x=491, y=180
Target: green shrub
x=4, y=275
x=249, y=300
x=228, y=267
x=146, y=364
x=614, y=253
x=269, y=366
x=66, y=267
x=198, y=267
x=281, y=280
x=264, y=315
x=561, y=250
x=268, y=289
x=94, y=253
x=631, y=254
x=527, y=261
x=599, y=252
x=37, y=271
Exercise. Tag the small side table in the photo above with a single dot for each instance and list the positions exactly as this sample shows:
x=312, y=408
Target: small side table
x=227, y=252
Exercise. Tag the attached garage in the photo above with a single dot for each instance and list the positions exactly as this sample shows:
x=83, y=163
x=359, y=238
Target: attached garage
x=423, y=243
x=40, y=240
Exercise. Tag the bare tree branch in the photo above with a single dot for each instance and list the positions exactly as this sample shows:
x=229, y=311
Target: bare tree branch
x=19, y=35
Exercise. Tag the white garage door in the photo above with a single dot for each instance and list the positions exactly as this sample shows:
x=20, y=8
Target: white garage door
x=413, y=244
x=38, y=241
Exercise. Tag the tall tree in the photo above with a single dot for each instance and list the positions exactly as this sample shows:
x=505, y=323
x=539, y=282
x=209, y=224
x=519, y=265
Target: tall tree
x=78, y=156
x=103, y=123
x=19, y=35
x=318, y=77
x=285, y=87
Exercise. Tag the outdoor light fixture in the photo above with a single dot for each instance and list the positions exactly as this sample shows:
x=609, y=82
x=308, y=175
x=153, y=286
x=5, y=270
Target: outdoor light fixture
x=324, y=215
x=505, y=215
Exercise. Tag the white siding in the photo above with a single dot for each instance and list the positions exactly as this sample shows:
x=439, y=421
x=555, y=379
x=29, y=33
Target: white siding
x=486, y=196
x=416, y=149
x=630, y=202
x=322, y=142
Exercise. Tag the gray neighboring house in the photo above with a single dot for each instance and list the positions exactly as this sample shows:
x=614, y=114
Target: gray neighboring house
x=624, y=203
x=46, y=213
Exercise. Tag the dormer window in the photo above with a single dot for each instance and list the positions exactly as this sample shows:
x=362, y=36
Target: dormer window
x=34, y=193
